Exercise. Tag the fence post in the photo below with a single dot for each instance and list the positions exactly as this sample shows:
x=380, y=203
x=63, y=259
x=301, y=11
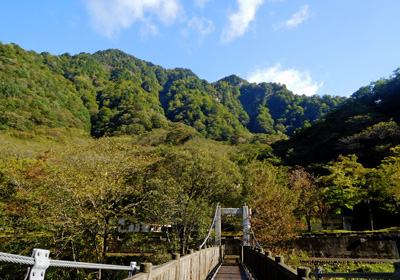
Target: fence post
x=303, y=272
x=42, y=262
x=146, y=268
x=133, y=269
x=177, y=258
x=278, y=260
x=396, y=274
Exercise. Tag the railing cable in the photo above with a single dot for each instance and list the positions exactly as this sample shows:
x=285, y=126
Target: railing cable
x=212, y=226
x=71, y=264
x=40, y=262
x=5, y=257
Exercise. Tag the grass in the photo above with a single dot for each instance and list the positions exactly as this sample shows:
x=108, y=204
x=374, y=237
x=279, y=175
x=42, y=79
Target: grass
x=386, y=230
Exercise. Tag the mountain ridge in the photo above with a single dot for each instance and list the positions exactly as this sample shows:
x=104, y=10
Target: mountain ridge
x=115, y=93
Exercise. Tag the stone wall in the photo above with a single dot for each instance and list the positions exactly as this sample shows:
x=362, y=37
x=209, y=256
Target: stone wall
x=350, y=245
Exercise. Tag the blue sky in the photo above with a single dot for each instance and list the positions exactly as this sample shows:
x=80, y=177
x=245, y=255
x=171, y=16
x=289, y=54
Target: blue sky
x=312, y=46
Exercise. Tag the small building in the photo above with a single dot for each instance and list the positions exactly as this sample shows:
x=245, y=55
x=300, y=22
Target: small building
x=125, y=225
x=334, y=222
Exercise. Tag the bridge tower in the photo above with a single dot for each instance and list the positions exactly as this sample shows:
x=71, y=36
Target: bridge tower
x=233, y=211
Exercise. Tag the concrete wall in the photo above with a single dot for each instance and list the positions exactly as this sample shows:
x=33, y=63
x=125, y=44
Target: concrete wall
x=350, y=245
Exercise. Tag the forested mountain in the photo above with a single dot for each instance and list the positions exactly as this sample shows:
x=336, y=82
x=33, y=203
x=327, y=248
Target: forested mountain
x=34, y=95
x=366, y=125
x=65, y=191
x=113, y=93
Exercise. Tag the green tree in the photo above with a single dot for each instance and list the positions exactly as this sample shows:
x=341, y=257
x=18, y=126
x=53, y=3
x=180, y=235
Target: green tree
x=389, y=174
x=185, y=185
x=273, y=204
x=90, y=190
x=344, y=183
x=305, y=185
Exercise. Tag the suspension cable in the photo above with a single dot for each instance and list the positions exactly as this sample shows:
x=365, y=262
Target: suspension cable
x=252, y=233
x=212, y=226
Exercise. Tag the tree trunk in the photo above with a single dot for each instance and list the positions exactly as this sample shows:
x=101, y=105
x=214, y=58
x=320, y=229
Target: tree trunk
x=105, y=245
x=342, y=208
x=308, y=219
x=323, y=214
x=396, y=205
x=183, y=242
x=370, y=214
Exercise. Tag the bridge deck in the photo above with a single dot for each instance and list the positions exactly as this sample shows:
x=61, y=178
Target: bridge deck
x=231, y=271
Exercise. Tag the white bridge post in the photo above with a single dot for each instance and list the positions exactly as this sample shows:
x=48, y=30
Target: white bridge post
x=218, y=228
x=42, y=262
x=246, y=226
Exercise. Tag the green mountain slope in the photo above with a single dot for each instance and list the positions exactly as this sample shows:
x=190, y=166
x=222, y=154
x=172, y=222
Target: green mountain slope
x=367, y=125
x=33, y=96
x=113, y=93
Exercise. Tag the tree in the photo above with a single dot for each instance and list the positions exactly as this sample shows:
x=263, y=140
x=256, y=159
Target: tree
x=273, y=204
x=389, y=174
x=184, y=187
x=90, y=192
x=344, y=183
x=305, y=185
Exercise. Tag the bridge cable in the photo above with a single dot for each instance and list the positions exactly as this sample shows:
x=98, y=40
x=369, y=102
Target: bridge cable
x=252, y=233
x=212, y=226
x=5, y=257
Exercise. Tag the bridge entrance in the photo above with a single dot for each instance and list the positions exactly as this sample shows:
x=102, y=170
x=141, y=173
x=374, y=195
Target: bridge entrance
x=232, y=211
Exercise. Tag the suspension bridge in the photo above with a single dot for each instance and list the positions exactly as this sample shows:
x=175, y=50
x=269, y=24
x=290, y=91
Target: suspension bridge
x=207, y=262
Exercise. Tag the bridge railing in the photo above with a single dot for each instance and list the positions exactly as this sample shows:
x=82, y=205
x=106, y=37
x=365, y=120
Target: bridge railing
x=40, y=262
x=262, y=266
x=196, y=266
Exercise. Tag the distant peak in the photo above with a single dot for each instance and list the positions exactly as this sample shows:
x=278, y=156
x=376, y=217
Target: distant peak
x=234, y=80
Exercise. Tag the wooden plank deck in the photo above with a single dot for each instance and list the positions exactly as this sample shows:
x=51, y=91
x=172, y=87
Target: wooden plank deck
x=231, y=271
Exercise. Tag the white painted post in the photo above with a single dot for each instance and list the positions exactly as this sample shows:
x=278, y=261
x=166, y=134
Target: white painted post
x=42, y=262
x=246, y=226
x=218, y=229
x=133, y=269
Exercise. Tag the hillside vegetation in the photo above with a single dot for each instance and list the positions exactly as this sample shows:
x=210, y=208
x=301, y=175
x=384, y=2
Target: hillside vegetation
x=89, y=139
x=366, y=125
x=112, y=93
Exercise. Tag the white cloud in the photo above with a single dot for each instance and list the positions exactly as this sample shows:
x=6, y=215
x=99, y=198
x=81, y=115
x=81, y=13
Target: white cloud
x=239, y=21
x=201, y=3
x=296, y=19
x=297, y=81
x=108, y=17
x=148, y=29
x=202, y=26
